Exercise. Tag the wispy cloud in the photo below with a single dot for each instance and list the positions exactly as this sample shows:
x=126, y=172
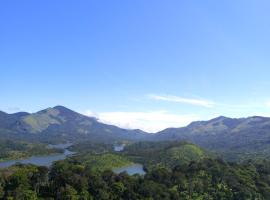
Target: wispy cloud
x=177, y=99
x=151, y=121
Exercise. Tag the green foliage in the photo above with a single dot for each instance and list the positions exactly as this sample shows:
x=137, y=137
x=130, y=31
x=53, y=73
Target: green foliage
x=19, y=149
x=101, y=162
x=174, y=170
x=165, y=154
x=235, y=140
x=62, y=124
x=209, y=179
x=68, y=193
x=42, y=120
x=90, y=147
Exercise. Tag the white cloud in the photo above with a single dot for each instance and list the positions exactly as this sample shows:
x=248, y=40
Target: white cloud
x=196, y=102
x=268, y=104
x=148, y=121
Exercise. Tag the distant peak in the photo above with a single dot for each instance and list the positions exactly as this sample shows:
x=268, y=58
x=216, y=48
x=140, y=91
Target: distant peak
x=221, y=118
x=59, y=107
x=63, y=109
x=258, y=117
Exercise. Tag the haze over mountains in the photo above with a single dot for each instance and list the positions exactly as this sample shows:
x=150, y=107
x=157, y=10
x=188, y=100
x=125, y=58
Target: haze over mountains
x=245, y=135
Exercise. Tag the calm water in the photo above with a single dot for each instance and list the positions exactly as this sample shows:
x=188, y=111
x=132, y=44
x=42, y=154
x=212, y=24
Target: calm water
x=119, y=147
x=49, y=159
x=131, y=170
x=60, y=146
x=42, y=160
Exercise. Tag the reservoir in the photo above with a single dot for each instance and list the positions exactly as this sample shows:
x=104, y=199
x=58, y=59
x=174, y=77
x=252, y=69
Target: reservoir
x=119, y=147
x=45, y=160
x=131, y=169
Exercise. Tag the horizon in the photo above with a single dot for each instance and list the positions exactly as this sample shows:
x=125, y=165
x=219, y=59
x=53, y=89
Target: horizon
x=138, y=65
x=145, y=130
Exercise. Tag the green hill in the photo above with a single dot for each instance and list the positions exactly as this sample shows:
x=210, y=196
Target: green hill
x=166, y=154
x=101, y=162
x=234, y=139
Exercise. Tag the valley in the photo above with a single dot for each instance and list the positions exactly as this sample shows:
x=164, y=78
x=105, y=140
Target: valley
x=233, y=139
x=134, y=100
x=218, y=159
x=175, y=171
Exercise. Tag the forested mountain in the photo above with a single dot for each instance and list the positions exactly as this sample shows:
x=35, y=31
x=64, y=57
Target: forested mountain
x=235, y=139
x=62, y=123
x=244, y=137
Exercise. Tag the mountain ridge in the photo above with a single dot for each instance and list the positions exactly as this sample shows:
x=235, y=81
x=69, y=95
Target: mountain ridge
x=59, y=109
x=243, y=136
x=59, y=121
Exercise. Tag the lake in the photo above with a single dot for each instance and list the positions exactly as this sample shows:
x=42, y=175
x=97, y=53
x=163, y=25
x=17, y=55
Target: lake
x=119, y=147
x=46, y=160
x=131, y=169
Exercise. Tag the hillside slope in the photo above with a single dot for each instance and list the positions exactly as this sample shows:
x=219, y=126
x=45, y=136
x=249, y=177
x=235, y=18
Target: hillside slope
x=165, y=154
x=245, y=136
x=60, y=123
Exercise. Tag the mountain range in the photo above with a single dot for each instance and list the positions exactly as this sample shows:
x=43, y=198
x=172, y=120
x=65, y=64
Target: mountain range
x=244, y=136
x=61, y=123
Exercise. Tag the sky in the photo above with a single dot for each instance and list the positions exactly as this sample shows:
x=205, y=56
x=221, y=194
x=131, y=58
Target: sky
x=137, y=64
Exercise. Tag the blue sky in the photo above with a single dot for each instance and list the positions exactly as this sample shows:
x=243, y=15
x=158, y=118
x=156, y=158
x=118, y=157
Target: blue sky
x=137, y=64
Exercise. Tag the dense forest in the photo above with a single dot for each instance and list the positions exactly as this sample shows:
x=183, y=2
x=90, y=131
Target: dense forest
x=164, y=154
x=207, y=179
x=174, y=171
